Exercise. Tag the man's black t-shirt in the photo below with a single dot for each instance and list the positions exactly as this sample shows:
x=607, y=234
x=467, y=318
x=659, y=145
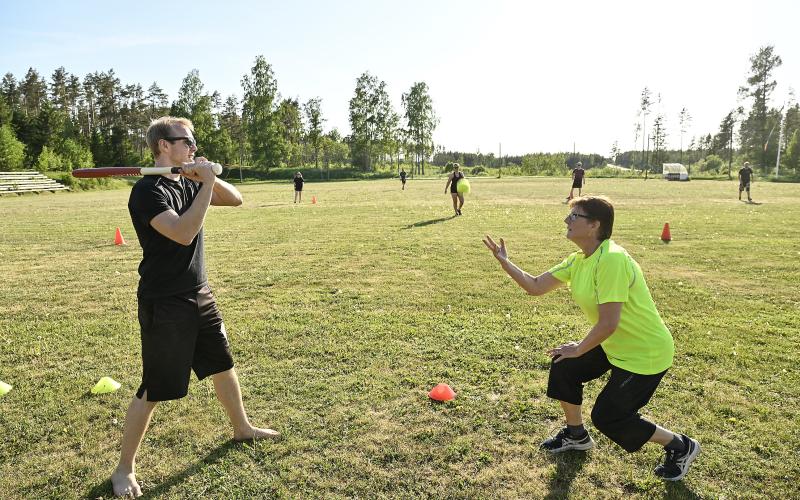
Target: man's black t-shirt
x=578, y=174
x=298, y=183
x=167, y=268
x=745, y=173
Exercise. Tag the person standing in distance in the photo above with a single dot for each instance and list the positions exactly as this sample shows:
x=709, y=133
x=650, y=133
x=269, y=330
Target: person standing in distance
x=403, y=178
x=298, y=187
x=577, y=180
x=181, y=327
x=745, y=178
x=628, y=338
x=452, y=182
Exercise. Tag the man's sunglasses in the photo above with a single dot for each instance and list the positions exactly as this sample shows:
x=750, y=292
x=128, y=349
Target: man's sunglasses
x=187, y=140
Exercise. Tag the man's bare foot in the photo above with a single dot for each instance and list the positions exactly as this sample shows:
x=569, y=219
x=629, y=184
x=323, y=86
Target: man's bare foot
x=255, y=434
x=125, y=484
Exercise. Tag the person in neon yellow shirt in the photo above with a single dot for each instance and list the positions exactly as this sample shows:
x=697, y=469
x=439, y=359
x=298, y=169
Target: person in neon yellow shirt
x=628, y=338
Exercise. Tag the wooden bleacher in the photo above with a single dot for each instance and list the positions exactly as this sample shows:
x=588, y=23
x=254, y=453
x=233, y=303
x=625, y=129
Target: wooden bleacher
x=28, y=182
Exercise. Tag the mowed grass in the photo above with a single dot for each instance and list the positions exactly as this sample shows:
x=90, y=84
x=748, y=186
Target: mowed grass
x=344, y=313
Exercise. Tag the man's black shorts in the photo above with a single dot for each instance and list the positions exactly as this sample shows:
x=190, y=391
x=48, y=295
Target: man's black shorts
x=577, y=184
x=180, y=333
x=744, y=185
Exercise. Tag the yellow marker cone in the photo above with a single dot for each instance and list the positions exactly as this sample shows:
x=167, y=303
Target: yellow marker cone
x=4, y=388
x=105, y=385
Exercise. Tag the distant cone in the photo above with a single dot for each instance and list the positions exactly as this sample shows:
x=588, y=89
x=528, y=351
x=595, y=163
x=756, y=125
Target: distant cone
x=442, y=392
x=665, y=236
x=314, y=200
x=4, y=388
x=118, y=239
x=106, y=385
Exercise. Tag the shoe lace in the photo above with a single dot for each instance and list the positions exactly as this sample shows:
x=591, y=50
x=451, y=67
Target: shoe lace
x=670, y=460
x=563, y=433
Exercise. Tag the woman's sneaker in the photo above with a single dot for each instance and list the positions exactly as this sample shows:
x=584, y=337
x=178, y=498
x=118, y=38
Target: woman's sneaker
x=676, y=464
x=564, y=441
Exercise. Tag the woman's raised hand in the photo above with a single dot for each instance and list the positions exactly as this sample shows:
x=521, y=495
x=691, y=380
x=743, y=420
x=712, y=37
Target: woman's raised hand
x=499, y=251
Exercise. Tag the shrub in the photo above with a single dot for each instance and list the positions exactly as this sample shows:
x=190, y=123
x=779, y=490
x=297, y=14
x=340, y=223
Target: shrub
x=80, y=184
x=12, y=151
x=611, y=172
x=711, y=164
x=75, y=155
x=49, y=160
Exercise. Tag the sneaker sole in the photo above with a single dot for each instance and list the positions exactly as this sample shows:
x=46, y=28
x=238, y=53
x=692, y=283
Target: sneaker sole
x=578, y=447
x=689, y=461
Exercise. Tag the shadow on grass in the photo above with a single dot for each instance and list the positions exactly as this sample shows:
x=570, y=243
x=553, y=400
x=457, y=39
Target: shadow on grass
x=105, y=490
x=678, y=489
x=429, y=222
x=567, y=467
x=263, y=205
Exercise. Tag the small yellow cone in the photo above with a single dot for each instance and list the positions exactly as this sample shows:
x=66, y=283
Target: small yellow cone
x=4, y=388
x=105, y=385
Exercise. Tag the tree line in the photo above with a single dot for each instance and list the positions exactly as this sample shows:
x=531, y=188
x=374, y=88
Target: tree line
x=69, y=122
x=751, y=131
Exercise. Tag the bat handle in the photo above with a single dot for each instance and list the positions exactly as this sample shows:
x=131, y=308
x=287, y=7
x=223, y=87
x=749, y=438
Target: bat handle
x=216, y=168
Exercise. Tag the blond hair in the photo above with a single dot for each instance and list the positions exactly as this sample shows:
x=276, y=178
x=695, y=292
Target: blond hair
x=161, y=128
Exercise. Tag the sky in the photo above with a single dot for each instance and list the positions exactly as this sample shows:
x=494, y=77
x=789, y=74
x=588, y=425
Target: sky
x=522, y=76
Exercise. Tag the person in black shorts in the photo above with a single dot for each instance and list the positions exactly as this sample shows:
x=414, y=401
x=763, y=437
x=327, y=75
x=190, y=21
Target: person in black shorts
x=298, y=187
x=745, y=177
x=577, y=180
x=181, y=326
x=403, y=178
x=452, y=182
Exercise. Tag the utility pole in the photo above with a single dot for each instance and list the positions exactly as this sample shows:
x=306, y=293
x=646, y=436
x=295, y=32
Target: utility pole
x=730, y=151
x=780, y=140
x=500, y=158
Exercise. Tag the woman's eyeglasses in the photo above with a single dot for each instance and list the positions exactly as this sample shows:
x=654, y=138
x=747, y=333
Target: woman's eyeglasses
x=573, y=216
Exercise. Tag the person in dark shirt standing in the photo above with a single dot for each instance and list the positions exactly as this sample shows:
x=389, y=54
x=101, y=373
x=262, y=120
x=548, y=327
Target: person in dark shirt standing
x=745, y=177
x=298, y=187
x=181, y=327
x=403, y=178
x=578, y=174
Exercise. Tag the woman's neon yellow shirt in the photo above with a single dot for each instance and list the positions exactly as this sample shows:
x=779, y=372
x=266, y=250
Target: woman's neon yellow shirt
x=641, y=343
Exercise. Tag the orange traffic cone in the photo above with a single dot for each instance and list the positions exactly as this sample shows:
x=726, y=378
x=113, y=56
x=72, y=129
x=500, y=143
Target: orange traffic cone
x=442, y=392
x=118, y=239
x=665, y=236
x=313, y=200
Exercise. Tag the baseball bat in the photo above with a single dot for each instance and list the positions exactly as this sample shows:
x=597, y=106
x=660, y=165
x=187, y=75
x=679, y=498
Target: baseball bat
x=132, y=171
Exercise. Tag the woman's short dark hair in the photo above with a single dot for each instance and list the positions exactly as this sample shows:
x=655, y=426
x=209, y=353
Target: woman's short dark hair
x=600, y=209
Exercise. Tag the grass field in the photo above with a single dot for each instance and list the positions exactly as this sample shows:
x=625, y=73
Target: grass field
x=343, y=314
